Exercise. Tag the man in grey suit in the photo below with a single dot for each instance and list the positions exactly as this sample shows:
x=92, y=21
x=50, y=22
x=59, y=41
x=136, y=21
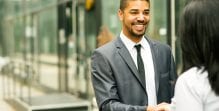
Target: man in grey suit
x=133, y=73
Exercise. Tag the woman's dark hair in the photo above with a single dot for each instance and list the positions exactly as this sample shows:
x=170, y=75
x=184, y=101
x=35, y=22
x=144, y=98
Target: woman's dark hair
x=199, y=34
x=123, y=3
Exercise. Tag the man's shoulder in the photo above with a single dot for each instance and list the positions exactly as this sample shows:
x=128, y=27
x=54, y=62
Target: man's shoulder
x=107, y=46
x=158, y=44
x=107, y=49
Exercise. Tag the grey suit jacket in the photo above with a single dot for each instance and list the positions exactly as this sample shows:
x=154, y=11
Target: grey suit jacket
x=116, y=81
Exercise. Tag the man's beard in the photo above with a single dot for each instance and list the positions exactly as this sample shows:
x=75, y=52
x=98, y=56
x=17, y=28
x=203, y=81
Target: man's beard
x=136, y=34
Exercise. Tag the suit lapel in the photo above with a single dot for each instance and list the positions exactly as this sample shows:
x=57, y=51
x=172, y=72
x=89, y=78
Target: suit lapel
x=154, y=52
x=124, y=53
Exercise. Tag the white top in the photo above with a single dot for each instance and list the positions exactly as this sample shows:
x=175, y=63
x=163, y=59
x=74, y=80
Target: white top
x=148, y=65
x=193, y=92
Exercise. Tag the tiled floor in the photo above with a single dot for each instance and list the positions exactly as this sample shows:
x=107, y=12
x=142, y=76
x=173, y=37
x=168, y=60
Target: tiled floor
x=4, y=106
x=6, y=86
x=6, y=89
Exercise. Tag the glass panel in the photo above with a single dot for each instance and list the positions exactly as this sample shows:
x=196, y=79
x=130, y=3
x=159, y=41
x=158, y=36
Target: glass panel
x=109, y=15
x=19, y=7
x=178, y=6
x=48, y=48
x=19, y=35
x=158, y=23
x=72, y=55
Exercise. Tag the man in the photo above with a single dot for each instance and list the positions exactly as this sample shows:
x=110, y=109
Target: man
x=127, y=77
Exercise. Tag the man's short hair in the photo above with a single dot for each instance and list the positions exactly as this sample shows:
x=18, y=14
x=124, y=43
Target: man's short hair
x=123, y=3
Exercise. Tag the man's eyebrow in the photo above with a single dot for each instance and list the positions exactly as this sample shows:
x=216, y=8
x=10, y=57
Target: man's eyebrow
x=138, y=9
x=133, y=9
x=146, y=9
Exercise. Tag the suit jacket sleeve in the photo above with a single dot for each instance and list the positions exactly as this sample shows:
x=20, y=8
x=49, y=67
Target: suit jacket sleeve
x=105, y=87
x=173, y=75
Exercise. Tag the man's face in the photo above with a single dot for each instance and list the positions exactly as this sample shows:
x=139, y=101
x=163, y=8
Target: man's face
x=135, y=18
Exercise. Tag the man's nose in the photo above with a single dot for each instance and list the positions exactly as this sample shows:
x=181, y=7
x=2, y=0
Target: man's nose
x=141, y=17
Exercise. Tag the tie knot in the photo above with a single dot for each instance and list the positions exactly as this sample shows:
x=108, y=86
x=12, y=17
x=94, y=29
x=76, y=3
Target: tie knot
x=138, y=47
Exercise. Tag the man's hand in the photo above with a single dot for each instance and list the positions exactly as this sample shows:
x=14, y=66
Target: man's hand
x=162, y=107
x=150, y=108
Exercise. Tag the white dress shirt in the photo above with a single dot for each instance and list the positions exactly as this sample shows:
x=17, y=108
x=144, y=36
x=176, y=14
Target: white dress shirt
x=193, y=92
x=148, y=65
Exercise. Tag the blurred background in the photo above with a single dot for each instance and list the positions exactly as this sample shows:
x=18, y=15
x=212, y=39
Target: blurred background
x=46, y=45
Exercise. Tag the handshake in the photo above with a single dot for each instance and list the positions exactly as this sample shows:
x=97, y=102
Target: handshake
x=160, y=107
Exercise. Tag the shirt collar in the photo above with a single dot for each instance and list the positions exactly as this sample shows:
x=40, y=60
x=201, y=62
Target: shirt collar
x=130, y=44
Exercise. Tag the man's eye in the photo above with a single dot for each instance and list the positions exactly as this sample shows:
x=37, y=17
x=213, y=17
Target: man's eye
x=146, y=12
x=133, y=12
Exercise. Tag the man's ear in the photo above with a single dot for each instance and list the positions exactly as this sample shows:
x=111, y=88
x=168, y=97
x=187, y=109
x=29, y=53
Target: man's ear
x=120, y=14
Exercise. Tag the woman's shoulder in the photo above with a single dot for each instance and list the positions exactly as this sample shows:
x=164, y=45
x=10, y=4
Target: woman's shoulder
x=195, y=80
x=194, y=74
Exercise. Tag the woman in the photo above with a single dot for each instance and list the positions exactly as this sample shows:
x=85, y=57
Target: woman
x=197, y=89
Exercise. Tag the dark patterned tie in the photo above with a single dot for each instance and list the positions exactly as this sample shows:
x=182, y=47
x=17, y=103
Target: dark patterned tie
x=140, y=64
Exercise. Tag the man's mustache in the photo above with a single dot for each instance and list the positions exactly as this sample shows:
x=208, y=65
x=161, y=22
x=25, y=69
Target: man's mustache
x=139, y=23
